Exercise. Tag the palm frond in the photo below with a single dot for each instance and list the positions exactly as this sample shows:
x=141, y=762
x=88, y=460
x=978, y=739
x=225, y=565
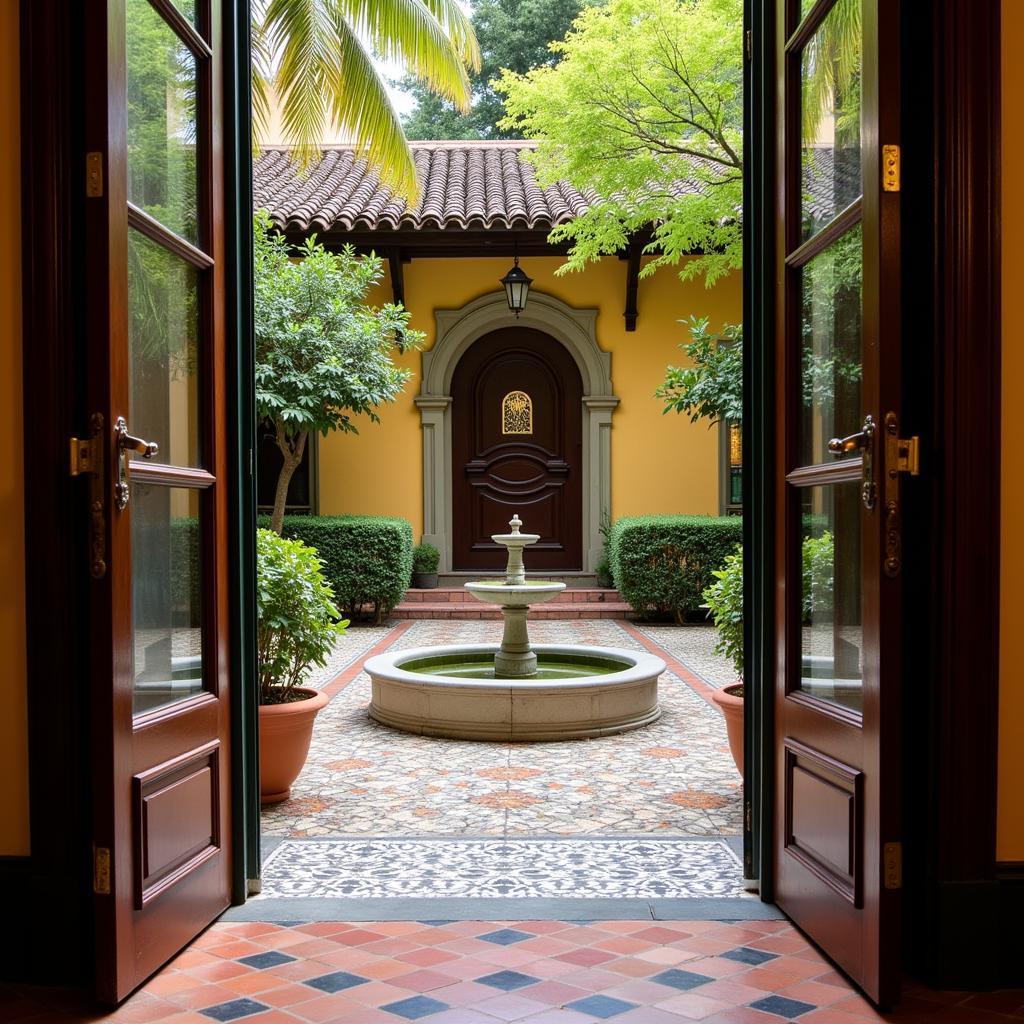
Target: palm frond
x=301, y=33
x=359, y=102
x=832, y=60
x=406, y=31
x=458, y=28
x=261, y=77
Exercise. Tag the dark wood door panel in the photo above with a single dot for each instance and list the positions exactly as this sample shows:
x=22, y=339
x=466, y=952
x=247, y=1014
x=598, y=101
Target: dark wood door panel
x=529, y=464
x=176, y=820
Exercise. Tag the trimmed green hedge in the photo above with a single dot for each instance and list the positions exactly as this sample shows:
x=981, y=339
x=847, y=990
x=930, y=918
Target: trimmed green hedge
x=367, y=559
x=662, y=564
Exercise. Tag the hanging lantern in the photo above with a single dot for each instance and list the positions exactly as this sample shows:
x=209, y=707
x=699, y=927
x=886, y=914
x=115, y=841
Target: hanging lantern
x=517, y=287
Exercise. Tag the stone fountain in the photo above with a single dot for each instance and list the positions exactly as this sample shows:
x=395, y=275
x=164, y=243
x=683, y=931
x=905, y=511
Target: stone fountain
x=515, y=691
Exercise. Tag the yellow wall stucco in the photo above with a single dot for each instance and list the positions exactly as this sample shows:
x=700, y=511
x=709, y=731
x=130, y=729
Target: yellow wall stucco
x=659, y=463
x=14, y=838
x=1010, y=838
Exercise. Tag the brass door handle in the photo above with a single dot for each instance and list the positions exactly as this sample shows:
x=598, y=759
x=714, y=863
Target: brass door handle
x=855, y=442
x=128, y=443
x=864, y=442
x=131, y=443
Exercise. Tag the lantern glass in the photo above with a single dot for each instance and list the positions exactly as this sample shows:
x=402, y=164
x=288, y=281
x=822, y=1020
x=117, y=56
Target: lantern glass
x=517, y=288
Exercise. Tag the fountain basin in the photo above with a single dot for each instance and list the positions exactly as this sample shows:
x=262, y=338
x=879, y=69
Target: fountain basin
x=578, y=692
x=514, y=595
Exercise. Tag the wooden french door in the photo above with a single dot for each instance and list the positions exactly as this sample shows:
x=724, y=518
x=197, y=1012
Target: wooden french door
x=841, y=457
x=154, y=305
x=517, y=422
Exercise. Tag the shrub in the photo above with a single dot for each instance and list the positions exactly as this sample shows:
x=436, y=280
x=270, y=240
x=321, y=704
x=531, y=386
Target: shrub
x=725, y=603
x=818, y=556
x=296, y=617
x=425, y=558
x=663, y=564
x=367, y=559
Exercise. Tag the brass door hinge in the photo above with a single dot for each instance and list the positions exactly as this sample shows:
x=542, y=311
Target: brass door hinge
x=86, y=459
x=890, y=168
x=892, y=865
x=101, y=870
x=94, y=175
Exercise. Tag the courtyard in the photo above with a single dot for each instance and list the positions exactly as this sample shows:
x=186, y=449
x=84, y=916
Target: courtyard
x=651, y=813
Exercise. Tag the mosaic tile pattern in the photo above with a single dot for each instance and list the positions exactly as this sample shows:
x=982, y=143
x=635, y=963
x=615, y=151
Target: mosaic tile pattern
x=645, y=868
x=694, y=646
x=550, y=972
x=675, y=777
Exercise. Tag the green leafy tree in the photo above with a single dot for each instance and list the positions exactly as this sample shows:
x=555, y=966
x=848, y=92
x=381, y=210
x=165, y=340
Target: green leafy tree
x=317, y=56
x=712, y=387
x=322, y=354
x=644, y=110
x=513, y=34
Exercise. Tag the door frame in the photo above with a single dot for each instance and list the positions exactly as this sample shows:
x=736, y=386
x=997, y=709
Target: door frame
x=963, y=906
x=54, y=881
x=456, y=330
x=970, y=904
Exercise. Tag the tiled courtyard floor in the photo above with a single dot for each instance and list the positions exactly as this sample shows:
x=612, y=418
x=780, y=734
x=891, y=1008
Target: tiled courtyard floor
x=488, y=972
x=675, y=777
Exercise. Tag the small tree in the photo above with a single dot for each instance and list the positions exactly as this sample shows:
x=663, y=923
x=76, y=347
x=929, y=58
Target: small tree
x=322, y=354
x=713, y=386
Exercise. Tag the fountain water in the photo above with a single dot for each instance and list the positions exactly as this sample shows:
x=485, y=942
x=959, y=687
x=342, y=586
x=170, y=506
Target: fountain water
x=515, y=691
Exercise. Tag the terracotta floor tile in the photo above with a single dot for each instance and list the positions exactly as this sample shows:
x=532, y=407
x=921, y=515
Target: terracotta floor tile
x=634, y=968
x=588, y=957
x=325, y=1008
x=427, y=957
x=460, y=1016
x=624, y=945
x=421, y=981
x=462, y=993
x=668, y=955
x=288, y=995
x=693, y=1005
x=220, y=971
x=650, y=1015
x=732, y=990
x=813, y=992
x=556, y=993
x=510, y=1006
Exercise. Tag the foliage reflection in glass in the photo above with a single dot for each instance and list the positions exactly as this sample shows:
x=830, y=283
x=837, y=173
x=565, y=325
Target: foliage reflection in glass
x=163, y=344
x=830, y=76
x=831, y=633
x=162, y=130
x=167, y=593
x=830, y=362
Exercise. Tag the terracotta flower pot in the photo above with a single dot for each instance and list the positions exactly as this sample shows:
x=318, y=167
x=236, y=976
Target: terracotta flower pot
x=730, y=701
x=285, y=732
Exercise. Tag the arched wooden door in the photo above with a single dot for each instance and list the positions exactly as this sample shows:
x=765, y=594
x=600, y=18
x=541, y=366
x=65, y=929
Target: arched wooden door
x=517, y=411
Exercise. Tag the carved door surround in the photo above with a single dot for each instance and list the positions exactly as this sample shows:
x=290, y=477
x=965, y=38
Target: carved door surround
x=456, y=331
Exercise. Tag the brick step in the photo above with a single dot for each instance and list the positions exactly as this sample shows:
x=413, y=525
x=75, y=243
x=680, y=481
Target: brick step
x=459, y=595
x=477, y=610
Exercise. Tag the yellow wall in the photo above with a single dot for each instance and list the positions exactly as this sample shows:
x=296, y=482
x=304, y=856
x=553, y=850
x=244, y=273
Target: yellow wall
x=659, y=463
x=13, y=720
x=1010, y=843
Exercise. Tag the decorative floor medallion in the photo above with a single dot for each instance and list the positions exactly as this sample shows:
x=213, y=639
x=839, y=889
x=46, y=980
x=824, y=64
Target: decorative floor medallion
x=637, y=868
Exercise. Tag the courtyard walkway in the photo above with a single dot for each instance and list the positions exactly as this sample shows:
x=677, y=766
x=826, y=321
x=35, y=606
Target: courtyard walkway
x=673, y=778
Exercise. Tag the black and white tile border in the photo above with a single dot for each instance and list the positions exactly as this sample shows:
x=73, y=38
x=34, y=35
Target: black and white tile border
x=489, y=868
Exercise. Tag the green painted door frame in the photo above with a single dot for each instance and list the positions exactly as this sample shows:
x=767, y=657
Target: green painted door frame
x=242, y=441
x=758, y=440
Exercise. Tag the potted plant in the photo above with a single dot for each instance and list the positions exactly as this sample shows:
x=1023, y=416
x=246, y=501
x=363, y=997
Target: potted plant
x=725, y=603
x=296, y=630
x=425, y=560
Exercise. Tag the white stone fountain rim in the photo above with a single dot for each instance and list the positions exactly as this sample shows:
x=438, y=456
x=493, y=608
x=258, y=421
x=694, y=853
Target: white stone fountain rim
x=641, y=666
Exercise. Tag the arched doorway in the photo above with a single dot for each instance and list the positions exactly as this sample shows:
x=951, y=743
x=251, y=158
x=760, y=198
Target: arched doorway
x=517, y=447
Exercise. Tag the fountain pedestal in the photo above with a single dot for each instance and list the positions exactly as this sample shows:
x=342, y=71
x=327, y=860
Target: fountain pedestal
x=515, y=658
x=515, y=691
